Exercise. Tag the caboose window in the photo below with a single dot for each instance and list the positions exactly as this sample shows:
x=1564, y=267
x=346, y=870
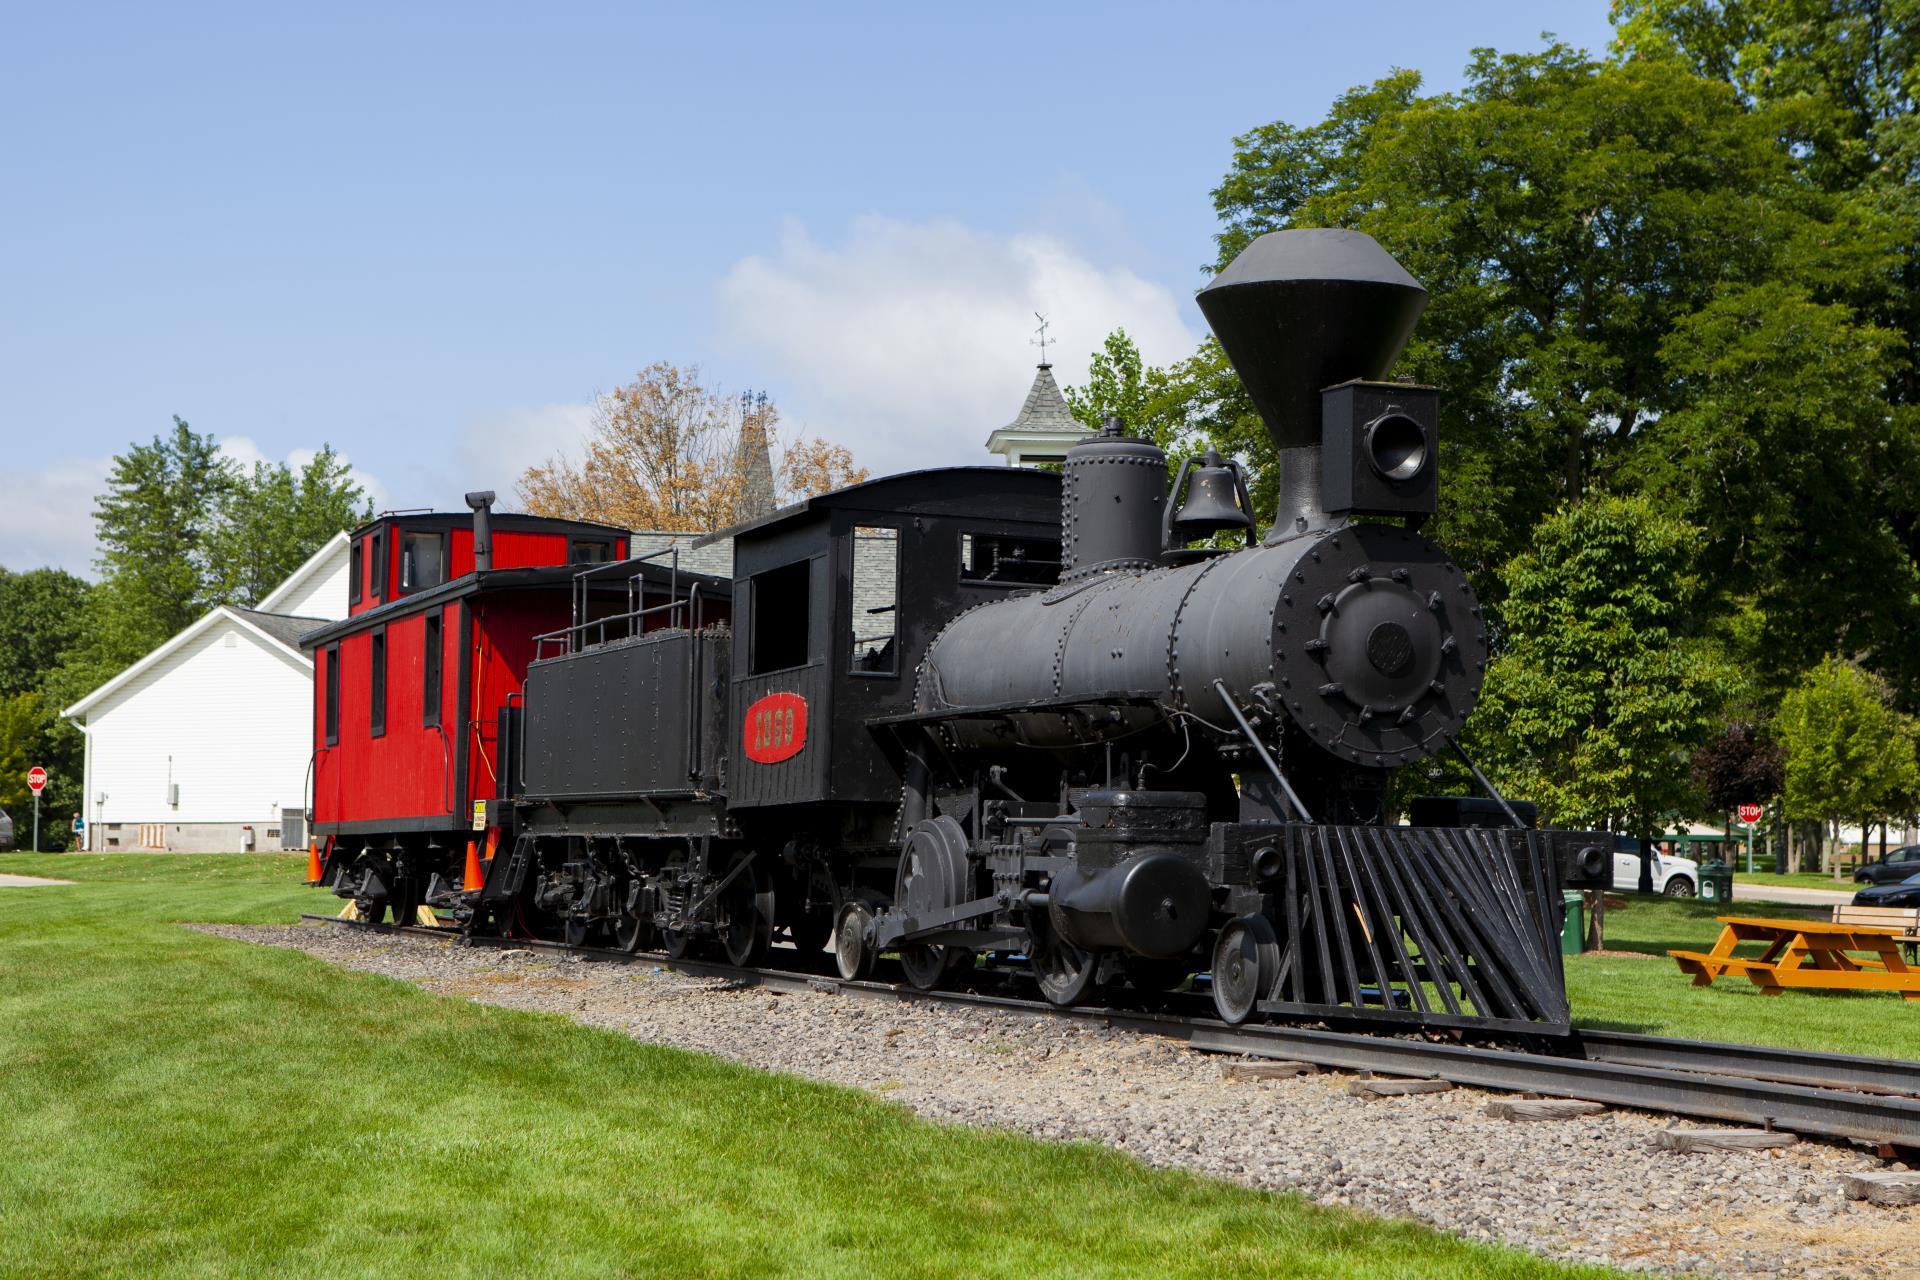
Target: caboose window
x=422, y=561
x=876, y=599
x=430, y=673
x=585, y=551
x=997, y=559
x=333, y=694
x=354, y=555
x=377, y=683
x=780, y=620
x=377, y=569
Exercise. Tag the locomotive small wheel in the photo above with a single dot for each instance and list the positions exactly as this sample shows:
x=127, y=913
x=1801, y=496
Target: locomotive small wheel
x=370, y=910
x=576, y=930
x=632, y=934
x=851, y=952
x=1151, y=976
x=926, y=965
x=1246, y=960
x=1065, y=972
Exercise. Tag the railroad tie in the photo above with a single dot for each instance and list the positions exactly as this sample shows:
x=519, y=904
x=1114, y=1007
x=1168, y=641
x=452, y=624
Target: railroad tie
x=1265, y=1070
x=1367, y=1088
x=1542, y=1108
x=1689, y=1141
x=1891, y=1189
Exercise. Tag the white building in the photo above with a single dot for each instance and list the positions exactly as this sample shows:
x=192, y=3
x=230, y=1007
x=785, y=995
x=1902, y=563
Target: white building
x=1043, y=430
x=203, y=744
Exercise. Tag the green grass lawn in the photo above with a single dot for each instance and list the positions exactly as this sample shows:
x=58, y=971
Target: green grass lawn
x=173, y=1104
x=1798, y=880
x=1651, y=995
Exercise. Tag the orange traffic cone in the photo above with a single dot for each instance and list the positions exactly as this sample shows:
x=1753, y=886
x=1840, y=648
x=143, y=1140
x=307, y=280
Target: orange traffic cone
x=470, y=878
x=313, y=863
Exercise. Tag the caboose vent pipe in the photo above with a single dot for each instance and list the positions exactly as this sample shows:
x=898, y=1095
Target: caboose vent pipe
x=482, y=504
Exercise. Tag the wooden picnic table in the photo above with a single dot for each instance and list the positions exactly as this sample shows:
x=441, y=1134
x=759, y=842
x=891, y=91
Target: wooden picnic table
x=1806, y=953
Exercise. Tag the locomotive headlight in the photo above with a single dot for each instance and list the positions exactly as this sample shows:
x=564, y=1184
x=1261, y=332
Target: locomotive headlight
x=1396, y=446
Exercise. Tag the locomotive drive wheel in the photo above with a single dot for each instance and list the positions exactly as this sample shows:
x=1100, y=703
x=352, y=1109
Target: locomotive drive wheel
x=1066, y=973
x=748, y=906
x=1246, y=960
x=632, y=934
x=852, y=954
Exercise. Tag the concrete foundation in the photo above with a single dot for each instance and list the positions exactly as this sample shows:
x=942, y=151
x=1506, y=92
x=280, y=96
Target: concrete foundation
x=268, y=835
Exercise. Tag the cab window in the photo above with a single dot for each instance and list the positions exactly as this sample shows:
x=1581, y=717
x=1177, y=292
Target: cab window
x=998, y=559
x=780, y=606
x=422, y=561
x=875, y=650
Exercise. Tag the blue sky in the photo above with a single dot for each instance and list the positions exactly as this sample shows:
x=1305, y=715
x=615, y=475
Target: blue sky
x=428, y=234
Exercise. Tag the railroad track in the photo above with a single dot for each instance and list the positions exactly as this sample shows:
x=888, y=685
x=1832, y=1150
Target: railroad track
x=1830, y=1095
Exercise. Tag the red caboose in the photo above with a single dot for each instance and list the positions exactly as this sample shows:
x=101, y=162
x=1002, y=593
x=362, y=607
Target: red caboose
x=444, y=612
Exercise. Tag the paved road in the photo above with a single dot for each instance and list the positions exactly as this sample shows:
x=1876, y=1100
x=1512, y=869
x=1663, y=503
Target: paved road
x=26, y=882
x=1790, y=893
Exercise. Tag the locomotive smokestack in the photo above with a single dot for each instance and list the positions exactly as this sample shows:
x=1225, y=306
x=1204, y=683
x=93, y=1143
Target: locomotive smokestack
x=1297, y=312
x=482, y=504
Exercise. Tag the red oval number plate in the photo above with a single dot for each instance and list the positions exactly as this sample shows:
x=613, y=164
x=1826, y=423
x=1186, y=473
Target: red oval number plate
x=775, y=728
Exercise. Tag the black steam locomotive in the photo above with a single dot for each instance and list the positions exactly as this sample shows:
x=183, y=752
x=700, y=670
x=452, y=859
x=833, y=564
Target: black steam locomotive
x=991, y=717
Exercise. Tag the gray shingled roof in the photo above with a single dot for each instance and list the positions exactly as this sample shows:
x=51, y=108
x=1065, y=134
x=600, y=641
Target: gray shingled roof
x=287, y=628
x=1045, y=409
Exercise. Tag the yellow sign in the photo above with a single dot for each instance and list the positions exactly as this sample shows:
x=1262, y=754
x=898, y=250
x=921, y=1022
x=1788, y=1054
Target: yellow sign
x=479, y=815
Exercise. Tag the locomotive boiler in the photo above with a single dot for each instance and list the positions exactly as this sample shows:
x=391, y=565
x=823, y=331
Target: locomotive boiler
x=1095, y=731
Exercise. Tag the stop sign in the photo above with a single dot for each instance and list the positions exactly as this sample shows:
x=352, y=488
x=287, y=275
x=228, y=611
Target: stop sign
x=1751, y=813
x=36, y=779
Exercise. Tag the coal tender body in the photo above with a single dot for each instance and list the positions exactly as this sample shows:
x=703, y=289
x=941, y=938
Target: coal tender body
x=1091, y=728
x=1177, y=758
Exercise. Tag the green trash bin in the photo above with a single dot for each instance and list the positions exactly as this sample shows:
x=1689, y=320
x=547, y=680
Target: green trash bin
x=1716, y=883
x=1573, y=928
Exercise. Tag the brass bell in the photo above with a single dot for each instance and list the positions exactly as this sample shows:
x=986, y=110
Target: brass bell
x=1211, y=504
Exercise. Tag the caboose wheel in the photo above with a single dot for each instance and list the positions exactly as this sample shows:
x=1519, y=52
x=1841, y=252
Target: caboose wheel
x=926, y=965
x=1066, y=973
x=1246, y=960
x=851, y=951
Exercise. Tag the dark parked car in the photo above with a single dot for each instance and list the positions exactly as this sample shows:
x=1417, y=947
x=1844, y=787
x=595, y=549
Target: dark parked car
x=1904, y=894
x=6, y=830
x=1894, y=865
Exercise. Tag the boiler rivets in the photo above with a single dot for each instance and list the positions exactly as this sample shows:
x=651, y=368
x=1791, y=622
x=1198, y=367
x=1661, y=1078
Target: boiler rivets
x=1325, y=603
x=1363, y=574
x=1433, y=601
x=1449, y=645
x=1401, y=574
x=1330, y=688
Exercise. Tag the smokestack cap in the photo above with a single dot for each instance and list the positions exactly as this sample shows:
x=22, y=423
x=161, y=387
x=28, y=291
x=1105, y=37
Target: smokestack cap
x=1298, y=311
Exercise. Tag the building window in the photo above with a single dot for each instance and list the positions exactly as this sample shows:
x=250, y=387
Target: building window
x=332, y=658
x=353, y=572
x=589, y=551
x=422, y=561
x=997, y=559
x=876, y=599
x=377, y=570
x=780, y=618
x=430, y=672
x=377, y=683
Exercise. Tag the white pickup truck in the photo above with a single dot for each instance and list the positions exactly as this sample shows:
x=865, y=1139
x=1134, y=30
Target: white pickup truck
x=1673, y=877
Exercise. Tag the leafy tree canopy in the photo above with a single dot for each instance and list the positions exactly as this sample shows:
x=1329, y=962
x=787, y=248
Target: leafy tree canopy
x=1606, y=677
x=42, y=613
x=1849, y=754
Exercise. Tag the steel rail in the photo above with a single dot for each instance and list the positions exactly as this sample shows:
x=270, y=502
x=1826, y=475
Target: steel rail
x=1825, y=1094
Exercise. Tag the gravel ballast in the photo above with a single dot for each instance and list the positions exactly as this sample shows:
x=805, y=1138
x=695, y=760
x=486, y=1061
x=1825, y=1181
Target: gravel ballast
x=1593, y=1188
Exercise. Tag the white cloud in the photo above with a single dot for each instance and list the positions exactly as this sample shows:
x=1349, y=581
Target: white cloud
x=498, y=448
x=243, y=450
x=46, y=518
x=908, y=341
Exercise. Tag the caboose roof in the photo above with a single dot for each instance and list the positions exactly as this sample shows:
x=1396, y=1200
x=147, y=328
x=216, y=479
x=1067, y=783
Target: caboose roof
x=935, y=491
x=499, y=520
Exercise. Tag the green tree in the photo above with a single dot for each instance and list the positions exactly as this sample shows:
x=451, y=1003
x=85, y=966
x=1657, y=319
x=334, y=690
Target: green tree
x=272, y=520
x=30, y=735
x=1605, y=679
x=1850, y=755
x=1142, y=396
x=1566, y=214
x=157, y=524
x=42, y=612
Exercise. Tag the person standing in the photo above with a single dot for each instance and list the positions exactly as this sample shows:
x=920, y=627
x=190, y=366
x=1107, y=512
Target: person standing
x=79, y=834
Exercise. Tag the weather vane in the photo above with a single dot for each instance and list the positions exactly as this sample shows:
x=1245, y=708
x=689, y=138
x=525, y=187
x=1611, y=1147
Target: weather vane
x=1041, y=341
